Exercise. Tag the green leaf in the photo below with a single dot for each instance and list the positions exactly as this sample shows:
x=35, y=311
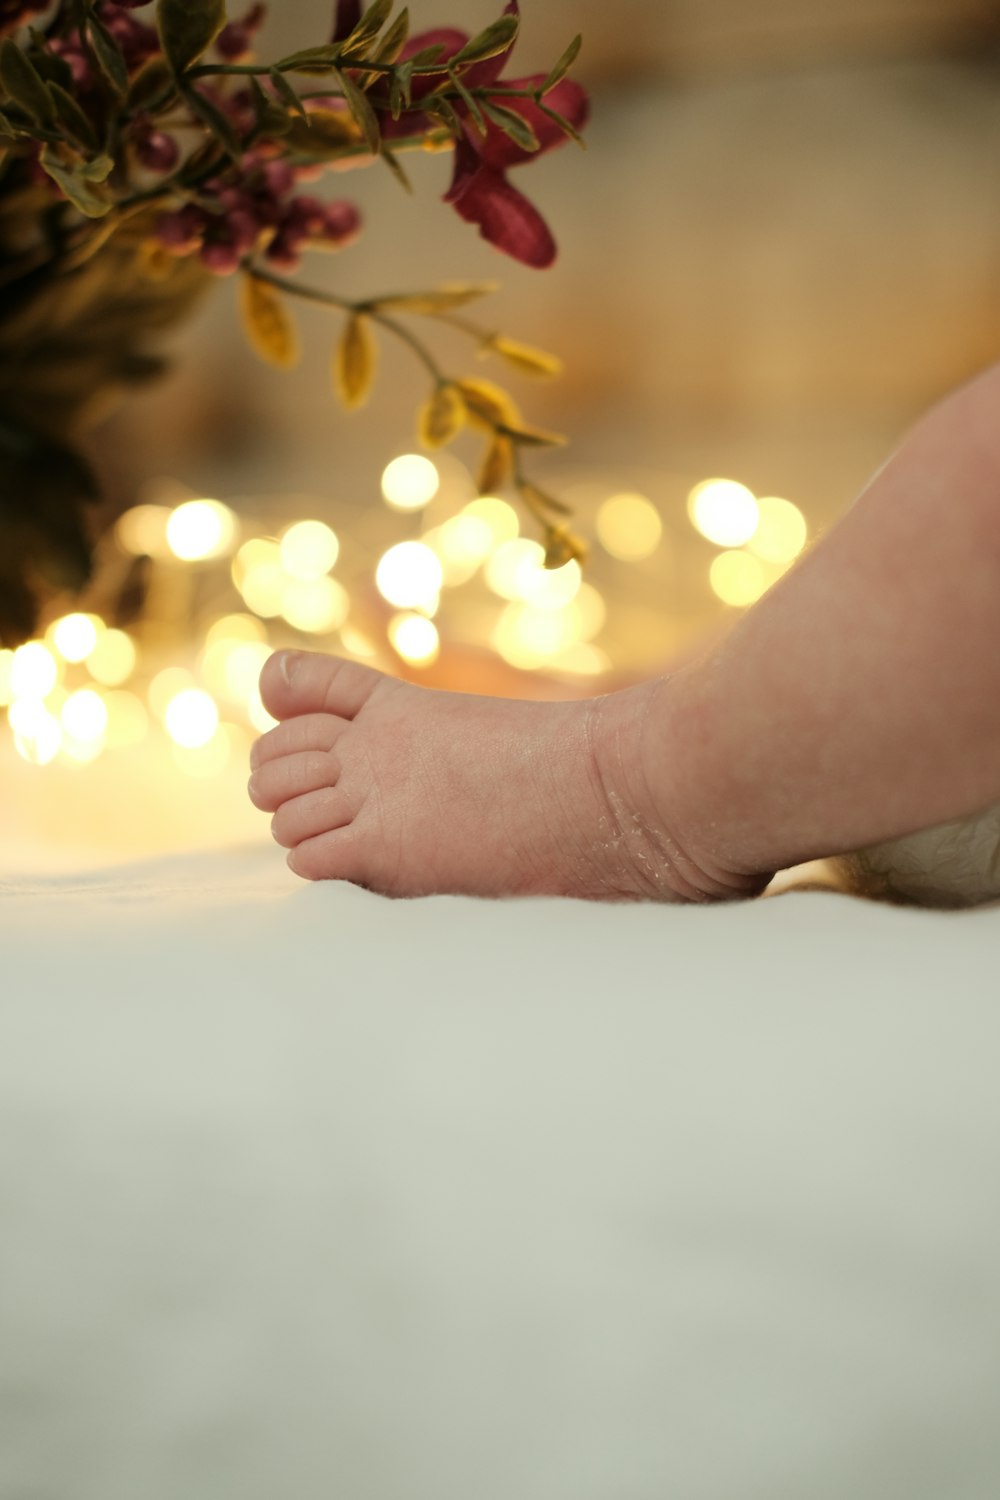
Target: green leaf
x=424, y=57
x=284, y=88
x=77, y=181
x=360, y=107
x=563, y=66
x=393, y=163
x=188, y=28
x=563, y=124
x=436, y=104
x=108, y=53
x=152, y=89
x=470, y=103
x=371, y=23
x=512, y=124
x=72, y=117
x=395, y=39
x=323, y=134
x=25, y=85
x=271, y=119
x=497, y=38
x=215, y=120
x=310, y=60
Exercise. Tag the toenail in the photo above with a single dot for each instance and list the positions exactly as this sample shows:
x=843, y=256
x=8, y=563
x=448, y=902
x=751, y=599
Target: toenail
x=252, y=787
x=287, y=662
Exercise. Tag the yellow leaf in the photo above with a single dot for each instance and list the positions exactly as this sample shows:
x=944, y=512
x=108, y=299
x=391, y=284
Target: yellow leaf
x=488, y=406
x=442, y=418
x=355, y=362
x=561, y=547
x=523, y=357
x=267, y=323
x=497, y=465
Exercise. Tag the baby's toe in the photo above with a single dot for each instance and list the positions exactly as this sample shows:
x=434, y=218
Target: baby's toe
x=308, y=682
x=311, y=814
x=279, y=781
x=337, y=855
x=310, y=732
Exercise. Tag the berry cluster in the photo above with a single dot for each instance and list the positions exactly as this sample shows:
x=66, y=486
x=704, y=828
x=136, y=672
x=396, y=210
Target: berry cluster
x=250, y=206
x=137, y=41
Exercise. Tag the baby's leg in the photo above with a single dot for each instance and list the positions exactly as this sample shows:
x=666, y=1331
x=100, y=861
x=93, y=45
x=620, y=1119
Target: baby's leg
x=859, y=700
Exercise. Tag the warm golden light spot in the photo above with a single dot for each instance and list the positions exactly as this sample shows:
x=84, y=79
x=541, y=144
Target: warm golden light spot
x=508, y=572
x=410, y=482
x=258, y=715
x=128, y=721
x=142, y=531
x=410, y=576
x=236, y=628
x=356, y=643
x=258, y=552
x=629, y=527
x=191, y=718
x=166, y=685
x=6, y=678
x=34, y=671
x=244, y=665
x=462, y=544
x=415, y=639
x=263, y=589
x=113, y=659
x=75, y=636
x=591, y=611
x=500, y=517
x=551, y=588
x=201, y=529
x=308, y=550
x=37, y=735
x=207, y=759
x=737, y=578
x=317, y=607
x=724, y=511
x=84, y=715
x=529, y=638
x=781, y=533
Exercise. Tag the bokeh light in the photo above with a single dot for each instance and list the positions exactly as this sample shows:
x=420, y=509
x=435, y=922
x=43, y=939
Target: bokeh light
x=508, y=572
x=410, y=576
x=551, y=588
x=317, y=606
x=462, y=544
x=34, y=671
x=236, y=628
x=142, y=531
x=258, y=715
x=724, y=511
x=308, y=550
x=113, y=659
x=191, y=718
x=75, y=636
x=737, y=578
x=415, y=639
x=207, y=759
x=201, y=529
x=410, y=482
x=629, y=527
x=84, y=715
x=501, y=518
x=166, y=685
x=781, y=533
x=37, y=733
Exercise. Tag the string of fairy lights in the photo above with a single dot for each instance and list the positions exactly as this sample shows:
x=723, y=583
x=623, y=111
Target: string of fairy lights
x=86, y=687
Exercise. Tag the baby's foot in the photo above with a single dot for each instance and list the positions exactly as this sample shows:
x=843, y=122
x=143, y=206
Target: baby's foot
x=411, y=791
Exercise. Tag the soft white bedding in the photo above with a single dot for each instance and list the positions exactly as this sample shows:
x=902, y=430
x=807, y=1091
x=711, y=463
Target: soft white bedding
x=310, y=1194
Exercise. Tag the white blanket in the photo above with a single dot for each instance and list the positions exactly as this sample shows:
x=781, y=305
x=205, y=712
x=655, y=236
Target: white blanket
x=315, y=1195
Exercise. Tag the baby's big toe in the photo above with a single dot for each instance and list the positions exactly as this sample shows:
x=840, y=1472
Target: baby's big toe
x=303, y=682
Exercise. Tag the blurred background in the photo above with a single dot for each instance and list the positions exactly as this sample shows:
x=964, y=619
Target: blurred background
x=782, y=243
